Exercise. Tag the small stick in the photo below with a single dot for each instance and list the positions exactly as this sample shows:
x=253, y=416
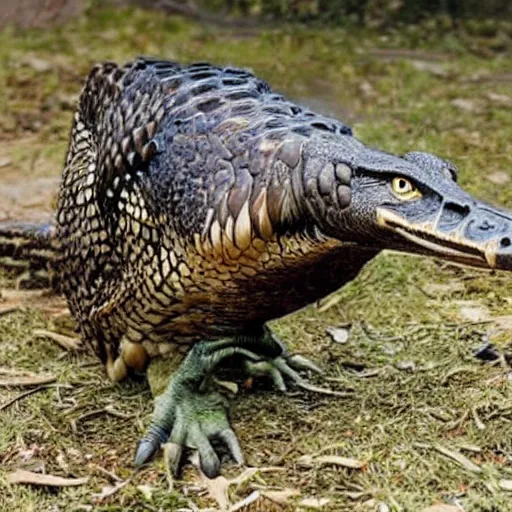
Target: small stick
x=105, y=472
x=21, y=396
x=31, y=380
x=66, y=342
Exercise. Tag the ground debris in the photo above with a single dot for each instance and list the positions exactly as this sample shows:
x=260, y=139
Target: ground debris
x=66, y=342
x=339, y=334
x=218, y=488
x=326, y=304
x=460, y=459
x=282, y=497
x=443, y=508
x=315, y=503
x=21, y=476
x=22, y=378
x=467, y=105
x=501, y=100
x=505, y=485
x=328, y=460
x=499, y=178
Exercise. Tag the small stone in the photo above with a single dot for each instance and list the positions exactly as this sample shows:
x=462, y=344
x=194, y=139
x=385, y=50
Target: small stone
x=5, y=162
x=406, y=366
x=338, y=334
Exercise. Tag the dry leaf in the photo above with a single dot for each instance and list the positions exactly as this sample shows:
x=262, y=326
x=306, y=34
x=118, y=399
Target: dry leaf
x=501, y=100
x=442, y=508
x=503, y=322
x=66, y=342
x=338, y=334
x=505, y=485
x=239, y=505
x=218, y=490
x=444, y=288
x=466, y=105
x=314, y=502
x=336, y=460
x=109, y=490
x=281, y=497
x=37, y=64
x=5, y=161
x=22, y=378
x=499, y=177
x=473, y=312
x=326, y=304
x=434, y=68
x=21, y=476
x=459, y=458
x=146, y=491
x=367, y=90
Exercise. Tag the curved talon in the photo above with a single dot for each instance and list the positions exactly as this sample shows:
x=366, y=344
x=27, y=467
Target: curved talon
x=262, y=368
x=208, y=459
x=173, y=454
x=231, y=441
x=149, y=445
x=298, y=362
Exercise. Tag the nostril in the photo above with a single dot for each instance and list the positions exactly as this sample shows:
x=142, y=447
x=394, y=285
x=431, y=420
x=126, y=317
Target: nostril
x=506, y=242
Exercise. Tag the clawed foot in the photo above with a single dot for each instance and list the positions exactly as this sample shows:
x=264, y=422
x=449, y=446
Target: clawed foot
x=189, y=414
x=199, y=419
x=287, y=366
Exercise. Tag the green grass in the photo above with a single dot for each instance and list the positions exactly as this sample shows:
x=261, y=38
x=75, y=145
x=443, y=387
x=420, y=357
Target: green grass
x=426, y=383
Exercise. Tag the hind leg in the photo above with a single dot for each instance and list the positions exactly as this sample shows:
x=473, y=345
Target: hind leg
x=132, y=358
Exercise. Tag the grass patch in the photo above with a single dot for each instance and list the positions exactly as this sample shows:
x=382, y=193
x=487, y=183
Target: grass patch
x=427, y=389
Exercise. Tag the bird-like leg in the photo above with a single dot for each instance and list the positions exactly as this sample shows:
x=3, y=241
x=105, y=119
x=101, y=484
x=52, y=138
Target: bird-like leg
x=190, y=413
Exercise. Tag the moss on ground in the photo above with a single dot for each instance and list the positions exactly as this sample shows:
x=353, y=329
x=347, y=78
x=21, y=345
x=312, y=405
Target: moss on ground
x=408, y=363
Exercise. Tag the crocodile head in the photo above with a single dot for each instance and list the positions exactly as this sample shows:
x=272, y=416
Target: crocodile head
x=413, y=204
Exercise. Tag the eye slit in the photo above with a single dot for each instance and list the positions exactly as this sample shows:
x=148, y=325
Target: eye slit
x=404, y=189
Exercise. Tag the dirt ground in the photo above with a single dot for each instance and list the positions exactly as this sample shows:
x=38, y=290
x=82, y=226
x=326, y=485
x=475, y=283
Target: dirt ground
x=425, y=426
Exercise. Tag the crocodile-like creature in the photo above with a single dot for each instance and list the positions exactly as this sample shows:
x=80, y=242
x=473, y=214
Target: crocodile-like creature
x=196, y=205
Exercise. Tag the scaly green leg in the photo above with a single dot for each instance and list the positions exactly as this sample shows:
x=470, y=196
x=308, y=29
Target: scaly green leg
x=189, y=413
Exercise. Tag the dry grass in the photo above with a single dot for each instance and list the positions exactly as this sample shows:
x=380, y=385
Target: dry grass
x=417, y=389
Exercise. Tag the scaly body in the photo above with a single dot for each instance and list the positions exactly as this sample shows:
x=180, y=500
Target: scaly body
x=179, y=215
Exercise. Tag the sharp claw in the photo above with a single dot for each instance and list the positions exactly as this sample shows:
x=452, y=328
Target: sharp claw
x=149, y=445
x=231, y=441
x=317, y=389
x=173, y=453
x=298, y=362
x=210, y=463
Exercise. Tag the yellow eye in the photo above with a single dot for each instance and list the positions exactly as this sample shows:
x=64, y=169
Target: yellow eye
x=404, y=189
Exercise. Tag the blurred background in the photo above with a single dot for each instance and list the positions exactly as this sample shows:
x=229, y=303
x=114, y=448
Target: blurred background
x=426, y=75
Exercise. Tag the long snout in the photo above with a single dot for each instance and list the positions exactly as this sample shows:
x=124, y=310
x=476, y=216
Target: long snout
x=468, y=232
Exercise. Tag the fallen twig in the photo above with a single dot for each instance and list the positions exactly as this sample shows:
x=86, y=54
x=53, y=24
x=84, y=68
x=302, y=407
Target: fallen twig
x=458, y=458
x=98, y=412
x=21, y=476
x=66, y=342
x=21, y=396
x=5, y=309
x=24, y=378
